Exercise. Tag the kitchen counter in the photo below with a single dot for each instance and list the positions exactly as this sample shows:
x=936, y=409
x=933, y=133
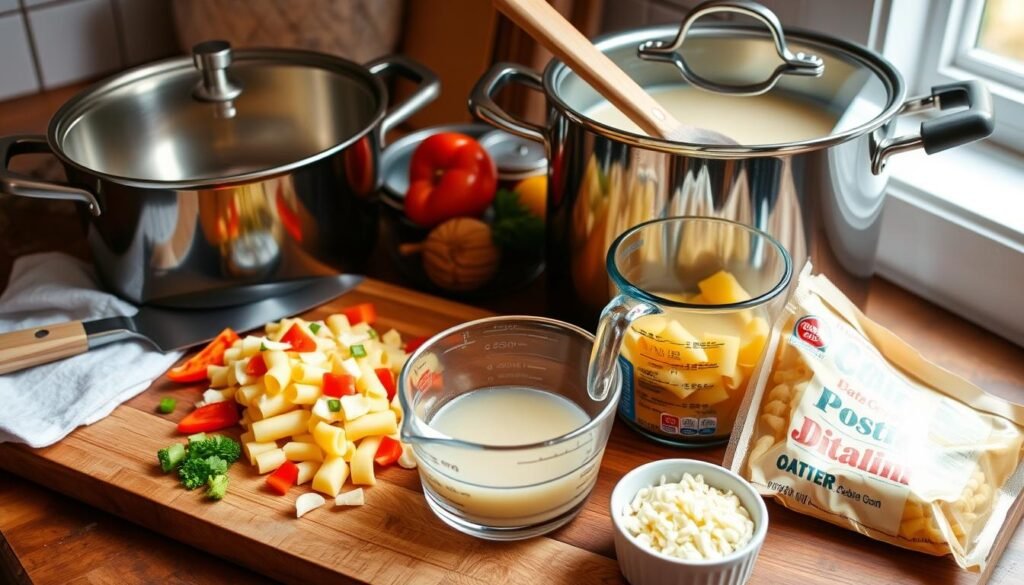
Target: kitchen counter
x=47, y=538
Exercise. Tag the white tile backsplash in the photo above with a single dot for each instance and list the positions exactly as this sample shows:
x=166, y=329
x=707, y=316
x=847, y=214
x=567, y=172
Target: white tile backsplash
x=74, y=41
x=147, y=30
x=17, y=72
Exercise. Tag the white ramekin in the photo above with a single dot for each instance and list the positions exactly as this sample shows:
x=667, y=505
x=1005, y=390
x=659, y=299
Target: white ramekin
x=644, y=566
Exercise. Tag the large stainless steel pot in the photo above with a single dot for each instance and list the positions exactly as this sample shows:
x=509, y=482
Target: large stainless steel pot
x=214, y=179
x=821, y=197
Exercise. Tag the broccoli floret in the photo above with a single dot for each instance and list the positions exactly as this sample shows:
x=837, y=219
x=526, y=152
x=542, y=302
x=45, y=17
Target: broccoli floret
x=195, y=438
x=217, y=485
x=216, y=445
x=195, y=471
x=171, y=456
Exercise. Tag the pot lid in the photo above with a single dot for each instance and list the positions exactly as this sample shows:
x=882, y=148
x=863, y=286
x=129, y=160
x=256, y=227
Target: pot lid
x=766, y=88
x=514, y=155
x=220, y=116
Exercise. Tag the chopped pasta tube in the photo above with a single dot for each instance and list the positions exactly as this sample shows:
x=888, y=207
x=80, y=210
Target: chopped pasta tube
x=252, y=449
x=232, y=354
x=307, y=469
x=362, y=461
x=251, y=345
x=374, y=423
x=391, y=339
x=296, y=451
x=350, y=450
x=268, y=406
x=322, y=409
x=270, y=460
x=347, y=366
x=331, y=476
x=297, y=393
x=281, y=426
x=354, y=406
x=313, y=358
x=244, y=395
x=338, y=324
x=304, y=438
x=378, y=404
x=307, y=374
x=369, y=384
x=330, y=438
x=279, y=371
x=218, y=375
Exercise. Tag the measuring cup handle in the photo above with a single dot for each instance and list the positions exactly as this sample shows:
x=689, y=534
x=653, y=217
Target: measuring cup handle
x=615, y=319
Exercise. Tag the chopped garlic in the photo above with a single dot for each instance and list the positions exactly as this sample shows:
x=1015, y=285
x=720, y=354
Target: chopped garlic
x=307, y=502
x=407, y=459
x=211, y=396
x=355, y=406
x=689, y=519
x=350, y=498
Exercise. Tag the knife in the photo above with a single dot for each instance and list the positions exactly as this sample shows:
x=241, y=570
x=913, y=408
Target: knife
x=166, y=329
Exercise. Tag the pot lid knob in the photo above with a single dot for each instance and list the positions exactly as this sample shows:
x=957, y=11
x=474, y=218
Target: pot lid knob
x=212, y=58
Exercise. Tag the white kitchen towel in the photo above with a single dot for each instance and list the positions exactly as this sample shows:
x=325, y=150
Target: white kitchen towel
x=41, y=405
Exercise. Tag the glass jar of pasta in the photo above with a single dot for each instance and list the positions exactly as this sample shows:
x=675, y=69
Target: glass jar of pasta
x=695, y=299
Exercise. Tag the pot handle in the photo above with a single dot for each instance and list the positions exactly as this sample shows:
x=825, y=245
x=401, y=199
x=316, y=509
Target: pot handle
x=799, y=63
x=944, y=132
x=428, y=90
x=483, y=106
x=13, y=183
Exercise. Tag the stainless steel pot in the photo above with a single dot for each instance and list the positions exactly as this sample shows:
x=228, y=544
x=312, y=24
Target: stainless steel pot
x=211, y=178
x=821, y=197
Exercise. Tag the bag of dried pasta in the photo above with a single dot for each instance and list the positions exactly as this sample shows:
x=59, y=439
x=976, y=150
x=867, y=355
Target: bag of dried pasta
x=847, y=423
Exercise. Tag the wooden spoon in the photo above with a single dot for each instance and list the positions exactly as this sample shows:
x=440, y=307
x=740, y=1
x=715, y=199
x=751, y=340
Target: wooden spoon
x=542, y=22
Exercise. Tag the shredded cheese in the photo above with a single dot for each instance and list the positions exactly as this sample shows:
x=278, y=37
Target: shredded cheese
x=688, y=520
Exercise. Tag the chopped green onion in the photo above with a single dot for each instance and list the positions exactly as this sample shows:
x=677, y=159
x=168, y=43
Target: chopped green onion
x=263, y=347
x=314, y=327
x=334, y=405
x=358, y=350
x=167, y=405
x=373, y=333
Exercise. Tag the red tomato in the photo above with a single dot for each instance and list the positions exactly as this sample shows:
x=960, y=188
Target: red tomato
x=194, y=369
x=298, y=339
x=387, y=379
x=338, y=385
x=283, y=478
x=388, y=452
x=361, y=313
x=212, y=417
x=256, y=366
x=450, y=175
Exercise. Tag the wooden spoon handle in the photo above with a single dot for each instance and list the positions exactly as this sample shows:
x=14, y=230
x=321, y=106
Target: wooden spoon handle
x=40, y=345
x=542, y=22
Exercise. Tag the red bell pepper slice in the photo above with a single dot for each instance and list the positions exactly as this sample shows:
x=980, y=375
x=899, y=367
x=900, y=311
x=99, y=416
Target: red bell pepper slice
x=387, y=379
x=256, y=366
x=194, y=369
x=298, y=339
x=283, y=478
x=388, y=452
x=414, y=344
x=338, y=385
x=212, y=417
x=361, y=313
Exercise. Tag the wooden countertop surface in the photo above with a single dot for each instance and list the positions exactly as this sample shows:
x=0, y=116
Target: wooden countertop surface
x=48, y=538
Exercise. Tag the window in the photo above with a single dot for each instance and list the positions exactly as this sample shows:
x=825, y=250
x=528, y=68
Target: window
x=981, y=39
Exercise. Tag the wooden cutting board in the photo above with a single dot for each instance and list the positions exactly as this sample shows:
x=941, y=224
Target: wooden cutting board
x=395, y=538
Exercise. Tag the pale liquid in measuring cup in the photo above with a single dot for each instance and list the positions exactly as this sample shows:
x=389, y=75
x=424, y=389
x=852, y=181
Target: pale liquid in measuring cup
x=511, y=488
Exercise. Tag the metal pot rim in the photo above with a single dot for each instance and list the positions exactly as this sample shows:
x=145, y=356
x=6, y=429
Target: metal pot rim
x=885, y=70
x=63, y=119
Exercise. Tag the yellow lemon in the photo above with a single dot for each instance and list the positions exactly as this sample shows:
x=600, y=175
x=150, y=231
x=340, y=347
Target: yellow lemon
x=533, y=194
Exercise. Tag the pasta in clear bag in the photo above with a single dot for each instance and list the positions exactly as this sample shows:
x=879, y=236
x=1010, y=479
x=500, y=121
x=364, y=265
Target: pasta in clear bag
x=847, y=423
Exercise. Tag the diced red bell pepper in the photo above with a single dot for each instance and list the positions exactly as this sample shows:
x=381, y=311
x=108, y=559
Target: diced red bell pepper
x=212, y=417
x=388, y=452
x=194, y=369
x=298, y=339
x=387, y=379
x=283, y=478
x=256, y=366
x=361, y=313
x=414, y=344
x=338, y=385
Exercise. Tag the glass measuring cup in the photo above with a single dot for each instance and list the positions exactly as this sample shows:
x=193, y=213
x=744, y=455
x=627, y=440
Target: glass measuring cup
x=500, y=488
x=696, y=296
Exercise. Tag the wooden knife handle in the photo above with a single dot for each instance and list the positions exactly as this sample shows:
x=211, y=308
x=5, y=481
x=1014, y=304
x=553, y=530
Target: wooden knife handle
x=40, y=345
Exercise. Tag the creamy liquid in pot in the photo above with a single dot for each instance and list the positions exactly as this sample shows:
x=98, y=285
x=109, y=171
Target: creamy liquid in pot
x=762, y=119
